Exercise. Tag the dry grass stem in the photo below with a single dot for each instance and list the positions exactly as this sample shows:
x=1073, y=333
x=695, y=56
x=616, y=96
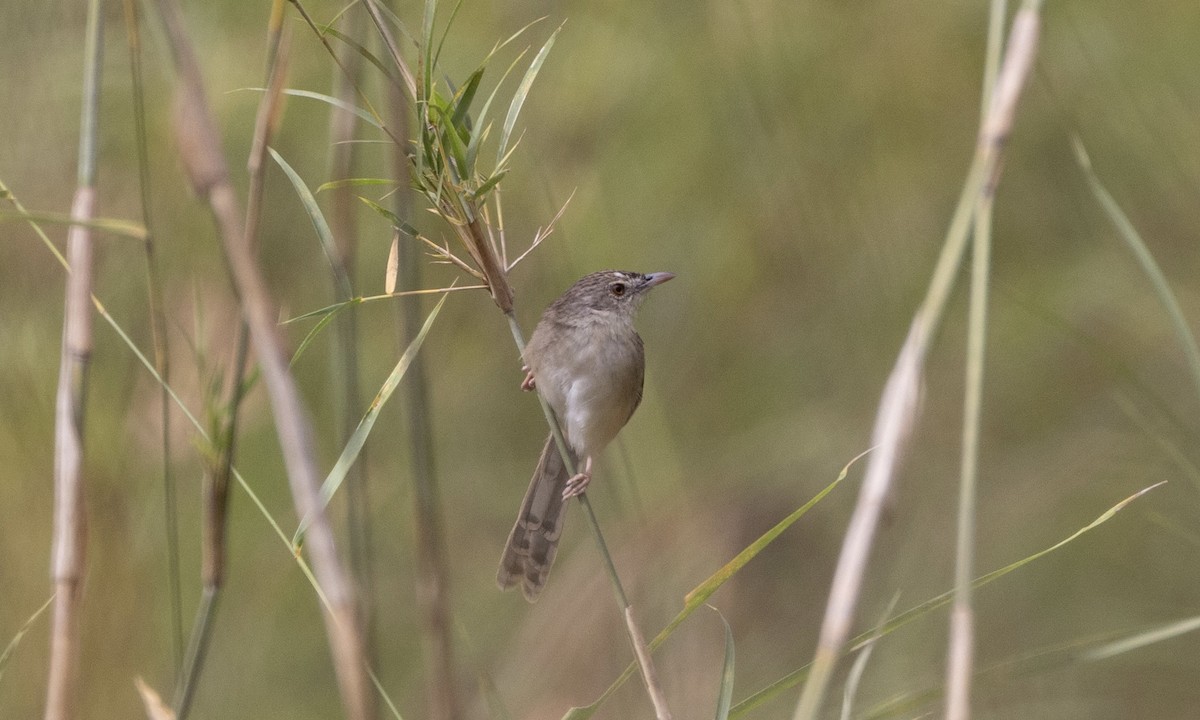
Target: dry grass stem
x=898, y=405
x=67, y=561
x=433, y=571
x=203, y=156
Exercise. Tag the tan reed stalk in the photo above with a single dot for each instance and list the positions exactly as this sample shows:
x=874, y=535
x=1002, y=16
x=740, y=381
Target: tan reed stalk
x=203, y=157
x=70, y=534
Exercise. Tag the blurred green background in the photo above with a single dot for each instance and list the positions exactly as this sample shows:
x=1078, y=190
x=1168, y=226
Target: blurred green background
x=795, y=164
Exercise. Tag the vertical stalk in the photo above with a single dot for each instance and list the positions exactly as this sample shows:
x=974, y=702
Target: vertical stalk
x=158, y=332
x=433, y=581
x=898, y=404
x=203, y=156
x=961, y=654
x=67, y=555
x=343, y=225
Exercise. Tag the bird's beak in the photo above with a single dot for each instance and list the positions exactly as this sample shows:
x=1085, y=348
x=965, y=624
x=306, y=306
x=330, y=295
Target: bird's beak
x=657, y=278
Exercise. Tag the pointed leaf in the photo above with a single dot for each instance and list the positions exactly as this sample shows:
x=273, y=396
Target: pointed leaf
x=324, y=234
x=354, y=182
x=365, y=53
x=357, y=440
x=725, y=696
x=514, y=108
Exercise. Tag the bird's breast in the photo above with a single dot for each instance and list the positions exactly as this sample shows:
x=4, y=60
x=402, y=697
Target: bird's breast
x=593, y=385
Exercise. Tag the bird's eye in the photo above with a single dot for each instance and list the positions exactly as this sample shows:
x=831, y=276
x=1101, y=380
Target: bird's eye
x=617, y=289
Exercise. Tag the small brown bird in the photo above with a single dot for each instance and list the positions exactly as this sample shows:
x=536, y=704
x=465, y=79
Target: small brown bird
x=587, y=361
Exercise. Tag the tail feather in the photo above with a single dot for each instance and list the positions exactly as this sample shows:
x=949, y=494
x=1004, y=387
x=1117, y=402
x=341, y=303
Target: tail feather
x=533, y=542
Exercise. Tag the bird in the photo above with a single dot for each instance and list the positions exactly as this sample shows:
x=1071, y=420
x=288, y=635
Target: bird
x=587, y=361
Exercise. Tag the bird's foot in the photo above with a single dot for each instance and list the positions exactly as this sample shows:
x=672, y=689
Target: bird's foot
x=578, y=484
x=528, y=383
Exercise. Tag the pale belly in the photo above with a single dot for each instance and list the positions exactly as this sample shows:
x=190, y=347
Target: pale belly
x=593, y=394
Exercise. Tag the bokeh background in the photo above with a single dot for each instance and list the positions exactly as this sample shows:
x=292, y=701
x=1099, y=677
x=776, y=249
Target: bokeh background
x=796, y=165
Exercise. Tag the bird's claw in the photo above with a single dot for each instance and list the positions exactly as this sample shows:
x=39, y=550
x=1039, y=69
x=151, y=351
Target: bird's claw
x=528, y=383
x=577, y=485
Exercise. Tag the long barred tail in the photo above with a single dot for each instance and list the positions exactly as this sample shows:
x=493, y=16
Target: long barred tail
x=533, y=542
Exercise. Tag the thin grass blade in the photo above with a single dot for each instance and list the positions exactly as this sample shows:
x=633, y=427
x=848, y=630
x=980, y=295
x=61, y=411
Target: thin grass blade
x=354, y=182
x=334, y=480
x=797, y=676
x=1145, y=258
x=702, y=592
x=514, y=108
x=114, y=226
x=316, y=330
x=365, y=53
x=365, y=115
x=725, y=696
x=1168, y=631
x=320, y=225
x=12, y=644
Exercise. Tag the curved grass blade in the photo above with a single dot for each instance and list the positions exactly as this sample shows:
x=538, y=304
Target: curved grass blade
x=462, y=102
x=437, y=55
x=725, y=696
x=854, y=677
x=1066, y=654
x=797, y=676
x=321, y=312
x=1131, y=237
x=514, y=108
x=354, y=446
x=477, y=138
x=1139, y=640
x=365, y=53
x=324, y=234
x=348, y=107
x=426, y=68
x=316, y=329
x=392, y=217
x=700, y=595
x=354, y=182
x=122, y=228
x=12, y=645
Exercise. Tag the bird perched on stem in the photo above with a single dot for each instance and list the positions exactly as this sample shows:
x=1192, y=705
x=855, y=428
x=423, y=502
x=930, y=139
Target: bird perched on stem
x=587, y=361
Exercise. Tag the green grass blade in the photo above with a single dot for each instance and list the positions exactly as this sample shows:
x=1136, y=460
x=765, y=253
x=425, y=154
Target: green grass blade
x=797, y=676
x=700, y=595
x=462, y=102
x=365, y=53
x=122, y=228
x=514, y=108
x=488, y=184
x=354, y=182
x=316, y=330
x=12, y=645
x=324, y=234
x=1131, y=237
x=1149, y=637
x=355, y=445
x=725, y=696
x=478, y=137
x=329, y=99
x=396, y=22
x=426, y=69
x=854, y=677
x=392, y=217
x=437, y=54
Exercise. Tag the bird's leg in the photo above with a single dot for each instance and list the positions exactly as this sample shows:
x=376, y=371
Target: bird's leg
x=577, y=485
x=528, y=383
